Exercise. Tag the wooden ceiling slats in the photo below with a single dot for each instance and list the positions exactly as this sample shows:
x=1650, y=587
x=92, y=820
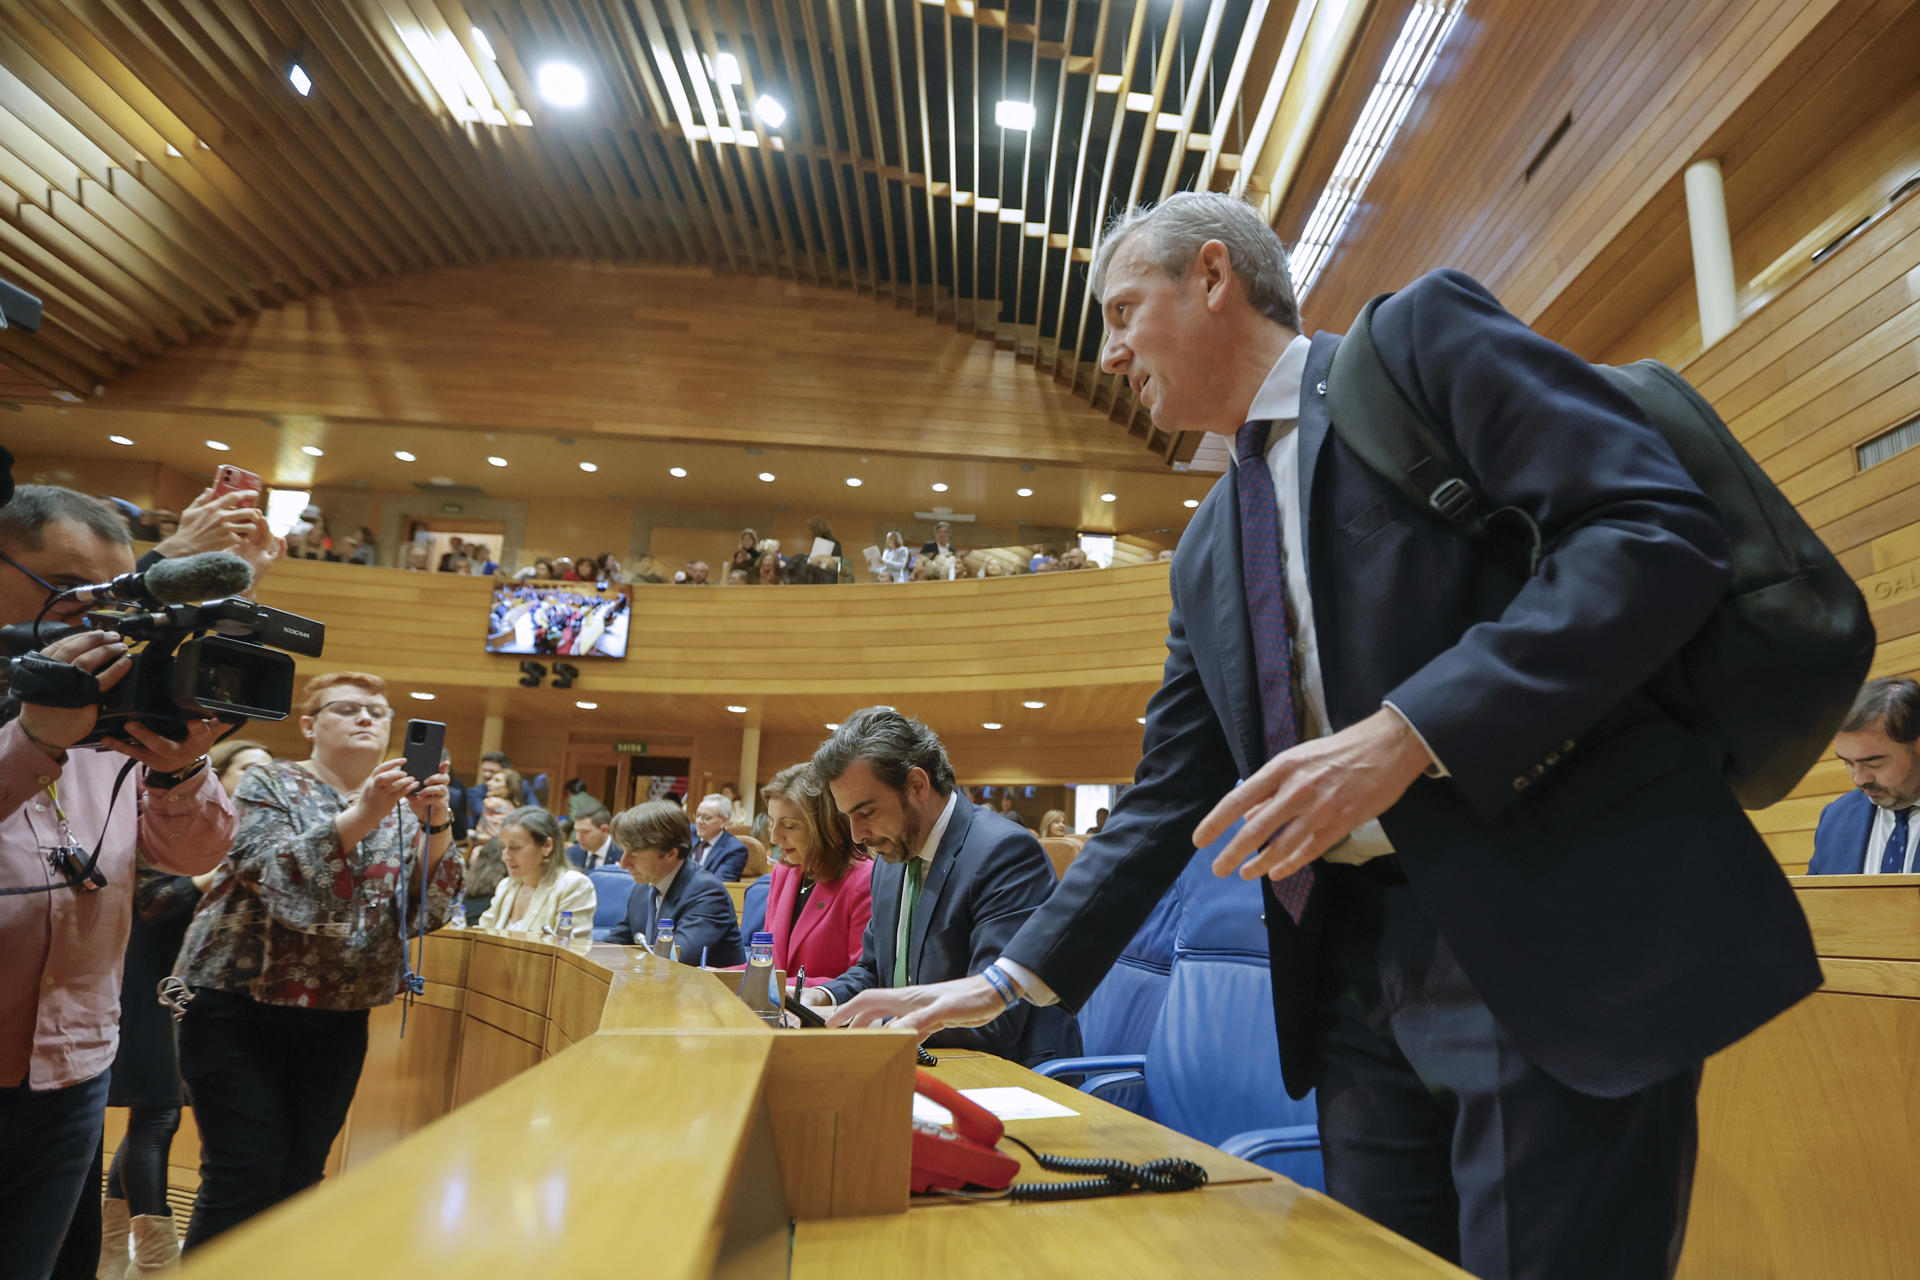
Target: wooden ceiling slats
x=1052, y=357
x=734, y=211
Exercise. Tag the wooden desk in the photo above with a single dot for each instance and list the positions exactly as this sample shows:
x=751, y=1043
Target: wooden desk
x=589, y=1106
x=1810, y=1127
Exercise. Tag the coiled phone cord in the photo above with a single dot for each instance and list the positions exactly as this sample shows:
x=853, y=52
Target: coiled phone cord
x=1110, y=1177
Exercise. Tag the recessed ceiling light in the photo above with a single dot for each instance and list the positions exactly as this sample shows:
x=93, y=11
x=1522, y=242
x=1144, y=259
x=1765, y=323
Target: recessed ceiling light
x=562, y=84
x=939, y=488
x=496, y=461
x=769, y=112
x=726, y=68
x=1191, y=503
x=678, y=473
x=587, y=706
x=1025, y=493
x=485, y=46
x=422, y=697
x=218, y=446
x=313, y=451
x=403, y=455
x=853, y=482
x=301, y=81
x=1013, y=115
x=1108, y=497
x=1033, y=706
x=118, y=440
x=767, y=476
x=589, y=466
x=832, y=727
x=990, y=724
x=739, y=711
x=1139, y=719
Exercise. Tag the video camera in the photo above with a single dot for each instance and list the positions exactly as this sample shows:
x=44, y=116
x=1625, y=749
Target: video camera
x=213, y=660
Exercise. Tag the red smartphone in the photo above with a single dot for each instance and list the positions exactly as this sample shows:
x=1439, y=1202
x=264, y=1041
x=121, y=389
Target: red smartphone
x=230, y=478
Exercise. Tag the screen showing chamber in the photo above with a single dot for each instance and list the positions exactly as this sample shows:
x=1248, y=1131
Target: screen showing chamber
x=559, y=620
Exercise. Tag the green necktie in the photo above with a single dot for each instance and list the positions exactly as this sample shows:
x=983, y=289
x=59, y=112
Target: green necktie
x=909, y=895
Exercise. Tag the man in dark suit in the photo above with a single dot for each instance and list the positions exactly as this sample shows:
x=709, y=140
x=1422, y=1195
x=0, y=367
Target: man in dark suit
x=951, y=883
x=714, y=847
x=941, y=544
x=1511, y=904
x=1871, y=830
x=655, y=836
x=593, y=845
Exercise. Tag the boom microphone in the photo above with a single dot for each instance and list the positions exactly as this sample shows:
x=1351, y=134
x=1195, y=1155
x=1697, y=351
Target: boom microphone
x=203, y=577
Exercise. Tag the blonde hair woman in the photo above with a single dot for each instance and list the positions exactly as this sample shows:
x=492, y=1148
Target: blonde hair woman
x=1054, y=824
x=540, y=883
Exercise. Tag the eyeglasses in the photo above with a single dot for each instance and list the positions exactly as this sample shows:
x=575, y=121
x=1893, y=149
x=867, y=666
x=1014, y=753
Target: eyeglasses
x=353, y=710
x=30, y=573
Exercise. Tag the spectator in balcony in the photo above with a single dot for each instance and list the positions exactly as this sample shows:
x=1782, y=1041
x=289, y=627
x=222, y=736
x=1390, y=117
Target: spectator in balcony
x=1054, y=824
x=611, y=569
x=894, y=560
x=361, y=547
x=1040, y=555
x=584, y=569
x=417, y=558
x=307, y=539
x=455, y=559
x=921, y=572
x=541, y=570
x=1075, y=558
x=646, y=569
x=822, y=891
x=738, y=578
x=992, y=568
x=819, y=528
x=942, y=543
x=769, y=572
x=694, y=575
x=540, y=882
x=747, y=555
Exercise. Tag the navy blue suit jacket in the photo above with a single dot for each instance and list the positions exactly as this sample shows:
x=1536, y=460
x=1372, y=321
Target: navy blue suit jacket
x=702, y=916
x=987, y=877
x=1593, y=875
x=1840, y=841
x=727, y=858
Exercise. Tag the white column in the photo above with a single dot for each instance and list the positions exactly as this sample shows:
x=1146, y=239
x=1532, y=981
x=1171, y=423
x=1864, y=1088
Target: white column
x=1713, y=282
x=749, y=766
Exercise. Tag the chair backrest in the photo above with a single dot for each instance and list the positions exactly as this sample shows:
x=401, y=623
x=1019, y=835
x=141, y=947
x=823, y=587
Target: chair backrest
x=1120, y=1015
x=611, y=887
x=1061, y=853
x=753, y=907
x=756, y=865
x=1213, y=1064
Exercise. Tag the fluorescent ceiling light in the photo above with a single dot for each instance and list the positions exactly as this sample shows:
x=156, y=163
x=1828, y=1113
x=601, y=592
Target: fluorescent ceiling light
x=562, y=84
x=589, y=466
x=768, y=112
x=484, y=45
x=313, y=451
x=118, y=440
x=1013, y=115
x=403, y=455
x=218, y=446
x=767, y=476
x=939, y=488
x=1407, y=65
x=301, y=81
x=678, y=473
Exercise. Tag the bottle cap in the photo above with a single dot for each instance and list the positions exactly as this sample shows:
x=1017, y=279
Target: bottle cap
x=666, y=922
x=763, y=939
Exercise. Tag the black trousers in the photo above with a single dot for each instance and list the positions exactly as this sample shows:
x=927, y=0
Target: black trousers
x=49, y=1140
x=1435, y=1125
x=271, y=1085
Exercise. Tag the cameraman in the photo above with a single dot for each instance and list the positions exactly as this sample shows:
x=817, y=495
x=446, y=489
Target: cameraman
x=61, y=950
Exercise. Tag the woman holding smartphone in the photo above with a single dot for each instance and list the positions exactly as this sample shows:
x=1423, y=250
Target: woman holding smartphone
x=300, y=934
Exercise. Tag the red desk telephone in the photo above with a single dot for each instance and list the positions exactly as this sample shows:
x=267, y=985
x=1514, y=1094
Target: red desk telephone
x=950, y=1157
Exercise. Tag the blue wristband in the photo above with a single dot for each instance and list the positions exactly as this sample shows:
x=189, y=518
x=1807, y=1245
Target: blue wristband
x=1001, y=984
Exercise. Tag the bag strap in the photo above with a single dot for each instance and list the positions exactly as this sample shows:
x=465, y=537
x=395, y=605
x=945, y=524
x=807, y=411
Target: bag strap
x=1374, y=419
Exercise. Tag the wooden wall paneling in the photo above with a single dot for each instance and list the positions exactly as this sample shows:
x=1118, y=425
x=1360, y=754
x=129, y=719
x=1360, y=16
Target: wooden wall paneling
x=518, y=977
x=488, y=1058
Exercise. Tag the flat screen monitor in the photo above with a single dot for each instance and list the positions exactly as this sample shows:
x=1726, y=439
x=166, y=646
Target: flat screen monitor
x=559, y=620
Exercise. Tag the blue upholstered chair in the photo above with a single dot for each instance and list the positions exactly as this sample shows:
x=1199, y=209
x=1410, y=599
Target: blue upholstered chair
x=1211, y=1068
x=753, y=907
x=611, y=888
x=1120, y=1016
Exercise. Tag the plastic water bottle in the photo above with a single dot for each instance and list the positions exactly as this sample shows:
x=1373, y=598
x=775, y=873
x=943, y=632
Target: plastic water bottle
x=563, y=931
x=756, y=984
x=663, y=944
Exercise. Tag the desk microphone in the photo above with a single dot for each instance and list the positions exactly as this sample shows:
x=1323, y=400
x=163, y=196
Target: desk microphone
x=207, y=576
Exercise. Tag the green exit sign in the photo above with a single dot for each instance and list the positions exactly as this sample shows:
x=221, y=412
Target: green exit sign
x=451, y=509
x=630, y=748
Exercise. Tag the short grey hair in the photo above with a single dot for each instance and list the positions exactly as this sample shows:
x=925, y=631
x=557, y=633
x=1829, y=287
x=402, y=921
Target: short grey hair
x=24, y=521
x=1178, y=226
x=718, y=801
x=893, y=745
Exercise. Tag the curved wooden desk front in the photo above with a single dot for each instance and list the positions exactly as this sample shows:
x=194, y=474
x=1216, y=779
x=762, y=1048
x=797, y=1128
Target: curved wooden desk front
x=678, y=1136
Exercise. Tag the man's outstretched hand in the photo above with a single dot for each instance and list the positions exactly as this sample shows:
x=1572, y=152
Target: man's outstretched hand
x=964, y=1002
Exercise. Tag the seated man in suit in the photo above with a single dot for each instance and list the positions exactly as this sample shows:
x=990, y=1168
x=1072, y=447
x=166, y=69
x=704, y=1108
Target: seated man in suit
x=668, y=887
x=714, y=847
x=1870, y=830
x=593, y=844
x=951, y=886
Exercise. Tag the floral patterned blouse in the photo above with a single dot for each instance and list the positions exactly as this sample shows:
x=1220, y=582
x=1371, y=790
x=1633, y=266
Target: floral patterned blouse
x=292, y=918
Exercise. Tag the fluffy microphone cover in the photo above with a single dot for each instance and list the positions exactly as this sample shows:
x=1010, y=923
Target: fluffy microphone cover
x=210, y=575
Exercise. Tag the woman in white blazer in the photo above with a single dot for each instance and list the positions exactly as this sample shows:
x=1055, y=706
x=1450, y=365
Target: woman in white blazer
x=540, y=883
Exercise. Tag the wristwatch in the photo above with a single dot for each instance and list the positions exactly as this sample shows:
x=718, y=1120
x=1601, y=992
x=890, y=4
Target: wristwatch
x=439, y=827
x=159, y=781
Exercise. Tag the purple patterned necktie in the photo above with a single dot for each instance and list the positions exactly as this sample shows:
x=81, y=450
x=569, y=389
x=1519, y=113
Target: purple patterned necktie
x=1264, y=575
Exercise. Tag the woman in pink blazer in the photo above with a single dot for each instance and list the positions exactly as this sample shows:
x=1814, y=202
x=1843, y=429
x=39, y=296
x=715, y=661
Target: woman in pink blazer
x=822, y=891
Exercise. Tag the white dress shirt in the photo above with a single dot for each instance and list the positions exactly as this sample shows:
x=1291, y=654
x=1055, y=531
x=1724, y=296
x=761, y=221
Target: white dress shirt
x=1881, y=832
x=927, y=847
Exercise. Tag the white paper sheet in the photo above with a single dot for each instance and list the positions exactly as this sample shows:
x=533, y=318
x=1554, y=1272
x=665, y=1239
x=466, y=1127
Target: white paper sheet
x=1011, y=1102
